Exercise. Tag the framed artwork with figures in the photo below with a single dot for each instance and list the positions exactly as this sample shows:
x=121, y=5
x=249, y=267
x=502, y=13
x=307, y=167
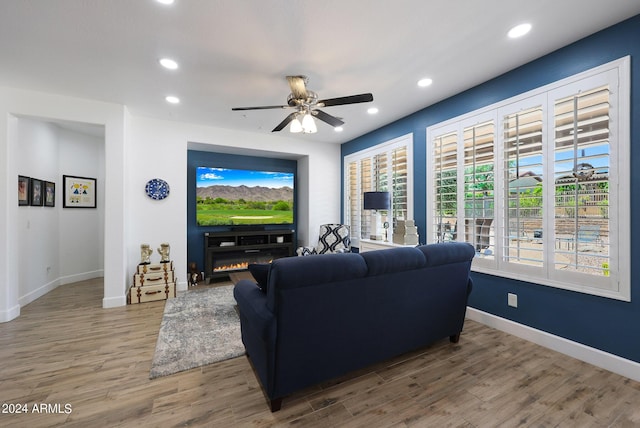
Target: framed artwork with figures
x=36, y=192
x=78, y=192
x=49, y=194
x=24, y=189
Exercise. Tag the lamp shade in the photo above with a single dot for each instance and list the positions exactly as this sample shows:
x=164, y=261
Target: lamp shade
x=376, y=201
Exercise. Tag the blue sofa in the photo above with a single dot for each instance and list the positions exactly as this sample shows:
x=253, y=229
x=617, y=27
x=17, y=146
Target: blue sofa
x=320, y=317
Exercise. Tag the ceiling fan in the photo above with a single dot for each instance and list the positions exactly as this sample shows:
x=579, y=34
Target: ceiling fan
x=307, y=106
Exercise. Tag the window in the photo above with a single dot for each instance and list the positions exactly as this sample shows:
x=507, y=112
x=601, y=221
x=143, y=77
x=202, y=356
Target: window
x=539, y=184
x=386, y=168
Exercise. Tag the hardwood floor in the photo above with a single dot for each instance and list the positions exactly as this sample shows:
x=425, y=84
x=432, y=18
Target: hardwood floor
x=65, y=350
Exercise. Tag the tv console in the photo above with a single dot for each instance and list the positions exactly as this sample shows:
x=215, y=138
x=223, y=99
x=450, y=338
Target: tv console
x=232, y=251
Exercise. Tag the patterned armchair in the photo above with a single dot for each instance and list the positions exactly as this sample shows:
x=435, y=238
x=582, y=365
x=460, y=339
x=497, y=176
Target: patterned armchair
x=334, y=238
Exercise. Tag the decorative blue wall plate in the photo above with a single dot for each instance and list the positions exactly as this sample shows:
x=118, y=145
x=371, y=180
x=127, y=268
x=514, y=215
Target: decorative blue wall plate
x=157, y=189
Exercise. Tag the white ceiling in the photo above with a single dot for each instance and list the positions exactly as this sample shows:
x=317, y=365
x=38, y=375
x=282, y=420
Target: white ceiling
x=235, y=53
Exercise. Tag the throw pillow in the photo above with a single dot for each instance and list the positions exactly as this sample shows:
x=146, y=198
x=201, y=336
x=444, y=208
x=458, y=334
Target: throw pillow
x=260, y=272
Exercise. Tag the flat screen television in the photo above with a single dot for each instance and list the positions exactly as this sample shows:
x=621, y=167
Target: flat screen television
x=236, y=197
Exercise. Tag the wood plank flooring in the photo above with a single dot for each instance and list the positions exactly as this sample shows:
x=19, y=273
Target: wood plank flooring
x=65, y=350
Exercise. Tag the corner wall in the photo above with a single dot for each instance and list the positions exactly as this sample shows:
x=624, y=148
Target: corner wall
x=603, y=324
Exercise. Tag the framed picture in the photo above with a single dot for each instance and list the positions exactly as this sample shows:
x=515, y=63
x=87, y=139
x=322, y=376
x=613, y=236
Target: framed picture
x=49, y=194
x=78, y=192
x=36, y=192
x=24, y=190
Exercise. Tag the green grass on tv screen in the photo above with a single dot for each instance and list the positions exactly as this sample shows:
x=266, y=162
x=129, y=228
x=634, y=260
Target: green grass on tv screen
x=212, y=215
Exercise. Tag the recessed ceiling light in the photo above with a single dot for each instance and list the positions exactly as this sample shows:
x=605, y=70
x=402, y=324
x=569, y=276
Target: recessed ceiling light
x=166, y=1
x=372, y=110
x=519, y=30
x=173, y=100
x=423, y=83
x=168, y=63
x=338, y=129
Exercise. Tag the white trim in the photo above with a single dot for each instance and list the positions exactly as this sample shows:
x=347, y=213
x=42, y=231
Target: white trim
x=114, y=302
x=596, y=357
x=11, y=313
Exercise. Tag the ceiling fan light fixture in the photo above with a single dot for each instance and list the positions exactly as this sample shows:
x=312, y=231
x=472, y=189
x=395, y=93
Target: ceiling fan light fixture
x=338, y=129
x=308, y=124
x=296, y=126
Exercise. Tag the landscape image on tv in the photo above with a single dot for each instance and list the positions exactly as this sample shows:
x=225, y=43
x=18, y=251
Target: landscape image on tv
x=243, y=197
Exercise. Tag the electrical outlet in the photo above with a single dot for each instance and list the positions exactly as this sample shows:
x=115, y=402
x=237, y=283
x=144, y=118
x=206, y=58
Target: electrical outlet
x=512, y=300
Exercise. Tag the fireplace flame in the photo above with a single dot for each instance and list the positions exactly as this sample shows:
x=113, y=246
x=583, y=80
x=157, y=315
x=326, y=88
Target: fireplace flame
x=235, y=266
x=231, y=266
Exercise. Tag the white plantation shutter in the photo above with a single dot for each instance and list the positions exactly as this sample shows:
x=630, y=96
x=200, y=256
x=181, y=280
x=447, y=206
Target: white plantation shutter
x=540, y=184
x=385, y=167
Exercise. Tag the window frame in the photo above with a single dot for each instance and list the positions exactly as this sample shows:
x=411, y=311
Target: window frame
x=617, y=284
x=386, y=147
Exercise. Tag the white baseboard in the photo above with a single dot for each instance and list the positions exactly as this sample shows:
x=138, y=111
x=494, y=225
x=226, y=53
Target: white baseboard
x=38, y=292
x=114, y=302
x=596, y=357
x=44, y=289
x=10, y=314
x=84, y=276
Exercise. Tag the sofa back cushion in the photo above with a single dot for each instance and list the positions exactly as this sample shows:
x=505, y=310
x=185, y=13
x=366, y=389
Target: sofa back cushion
x=447, y=252
x=393, y=260
x=299, y=272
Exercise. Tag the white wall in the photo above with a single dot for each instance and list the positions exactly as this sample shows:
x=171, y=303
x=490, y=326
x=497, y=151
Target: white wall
x=81, y=231
x=36, y=229
x=15, y=104
x=158, y=149
x=137, y=149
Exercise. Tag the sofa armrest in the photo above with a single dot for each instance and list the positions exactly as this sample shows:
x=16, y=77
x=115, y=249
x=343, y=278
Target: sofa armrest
x=252, y=304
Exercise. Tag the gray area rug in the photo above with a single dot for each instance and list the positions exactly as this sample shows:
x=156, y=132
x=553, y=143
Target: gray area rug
x=199, y=327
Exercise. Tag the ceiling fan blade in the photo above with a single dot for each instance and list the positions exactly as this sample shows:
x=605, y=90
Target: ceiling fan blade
x=285, y=122
x=325, y=117
x=352, y=99
x=298, y=86
x=258, y=108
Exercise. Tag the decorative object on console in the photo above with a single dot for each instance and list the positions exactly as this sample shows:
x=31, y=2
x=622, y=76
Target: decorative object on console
x=398, y=232
x=145, y=254
x=410, y=233
x=376, y=201
x=157, y=189
x=333, y=238
x=194, y=275
x=164, y=250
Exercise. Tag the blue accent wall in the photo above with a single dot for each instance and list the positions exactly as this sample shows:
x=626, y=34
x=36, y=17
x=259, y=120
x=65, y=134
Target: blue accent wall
x=195, y=233
x=606, y=324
